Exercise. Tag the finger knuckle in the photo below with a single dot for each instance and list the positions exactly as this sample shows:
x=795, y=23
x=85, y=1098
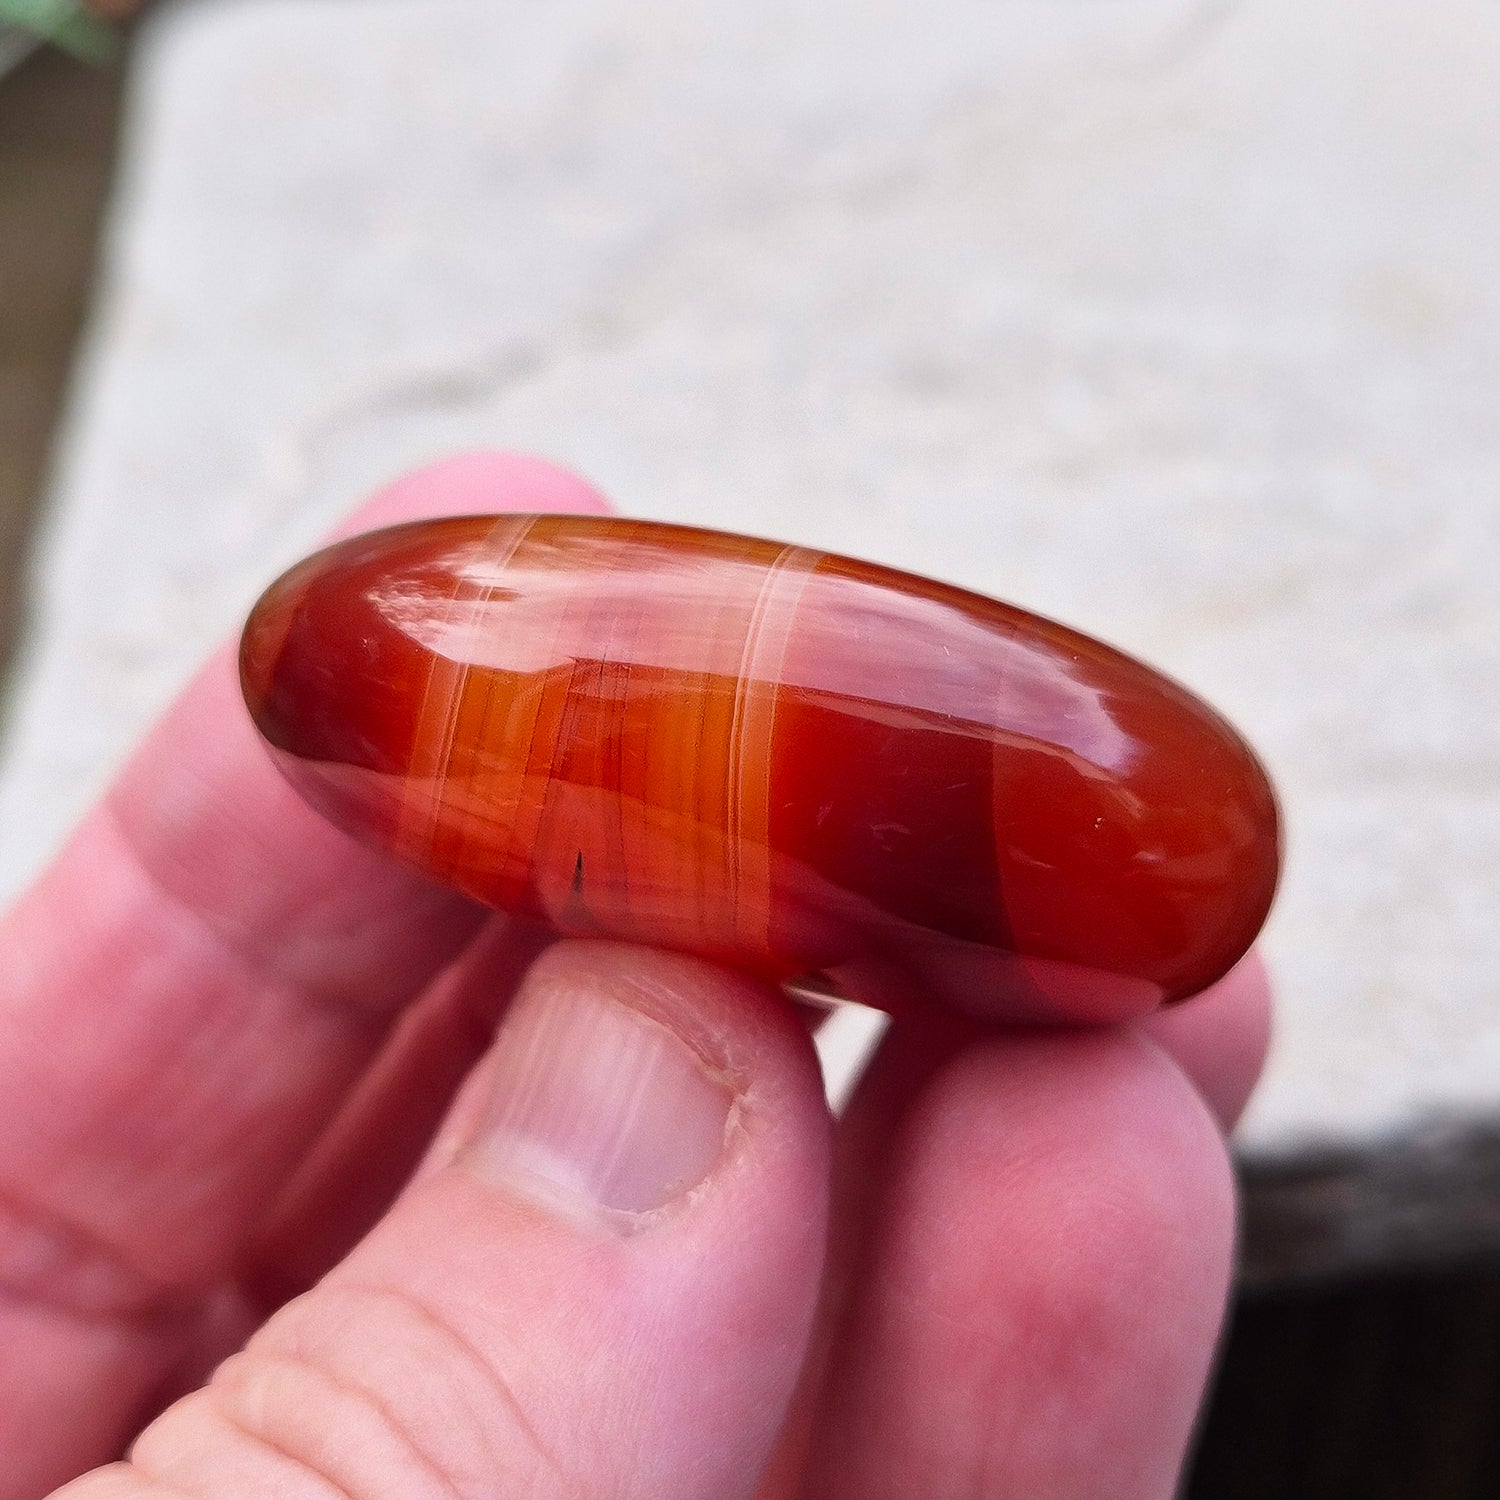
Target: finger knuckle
x=278, y=1428
x=397, y=1365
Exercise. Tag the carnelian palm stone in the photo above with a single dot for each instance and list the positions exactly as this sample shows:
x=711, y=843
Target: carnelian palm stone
x=777, y=758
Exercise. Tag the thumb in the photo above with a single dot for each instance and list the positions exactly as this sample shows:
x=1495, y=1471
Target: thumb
x=601, y=1283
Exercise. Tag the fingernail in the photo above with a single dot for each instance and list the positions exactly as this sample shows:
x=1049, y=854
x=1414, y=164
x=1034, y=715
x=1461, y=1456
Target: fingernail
x=597, y=1105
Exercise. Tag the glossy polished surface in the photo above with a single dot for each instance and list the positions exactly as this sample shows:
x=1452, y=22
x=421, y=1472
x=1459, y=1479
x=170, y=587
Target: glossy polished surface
x=778, y=758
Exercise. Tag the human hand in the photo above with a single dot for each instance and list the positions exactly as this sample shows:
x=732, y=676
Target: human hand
x=634, y=1259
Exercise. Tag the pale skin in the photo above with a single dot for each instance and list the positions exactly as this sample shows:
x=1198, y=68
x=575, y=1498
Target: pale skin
x=239, y=1256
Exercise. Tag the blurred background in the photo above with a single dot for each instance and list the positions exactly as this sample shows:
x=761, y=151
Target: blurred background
x=1175, y=319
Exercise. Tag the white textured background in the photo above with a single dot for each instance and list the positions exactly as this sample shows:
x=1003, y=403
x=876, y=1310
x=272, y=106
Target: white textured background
x=1176, y=319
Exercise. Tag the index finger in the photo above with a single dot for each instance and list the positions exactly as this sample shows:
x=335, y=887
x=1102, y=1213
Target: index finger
x=187, y=996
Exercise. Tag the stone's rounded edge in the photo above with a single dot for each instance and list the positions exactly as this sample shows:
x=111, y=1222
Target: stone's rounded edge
x=262, y=642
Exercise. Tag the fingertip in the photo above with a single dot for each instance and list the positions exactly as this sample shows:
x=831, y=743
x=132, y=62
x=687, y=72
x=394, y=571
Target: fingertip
x=1045, y=1278
x=1090, y=1122
x=1220, y=1038
x=642, y=1155
x=476, y=483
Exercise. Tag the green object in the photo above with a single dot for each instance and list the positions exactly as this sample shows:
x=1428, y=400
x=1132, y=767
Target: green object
x=65, y=24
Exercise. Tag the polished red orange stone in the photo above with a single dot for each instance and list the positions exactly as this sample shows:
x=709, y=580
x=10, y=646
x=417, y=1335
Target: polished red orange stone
x=770, y=756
